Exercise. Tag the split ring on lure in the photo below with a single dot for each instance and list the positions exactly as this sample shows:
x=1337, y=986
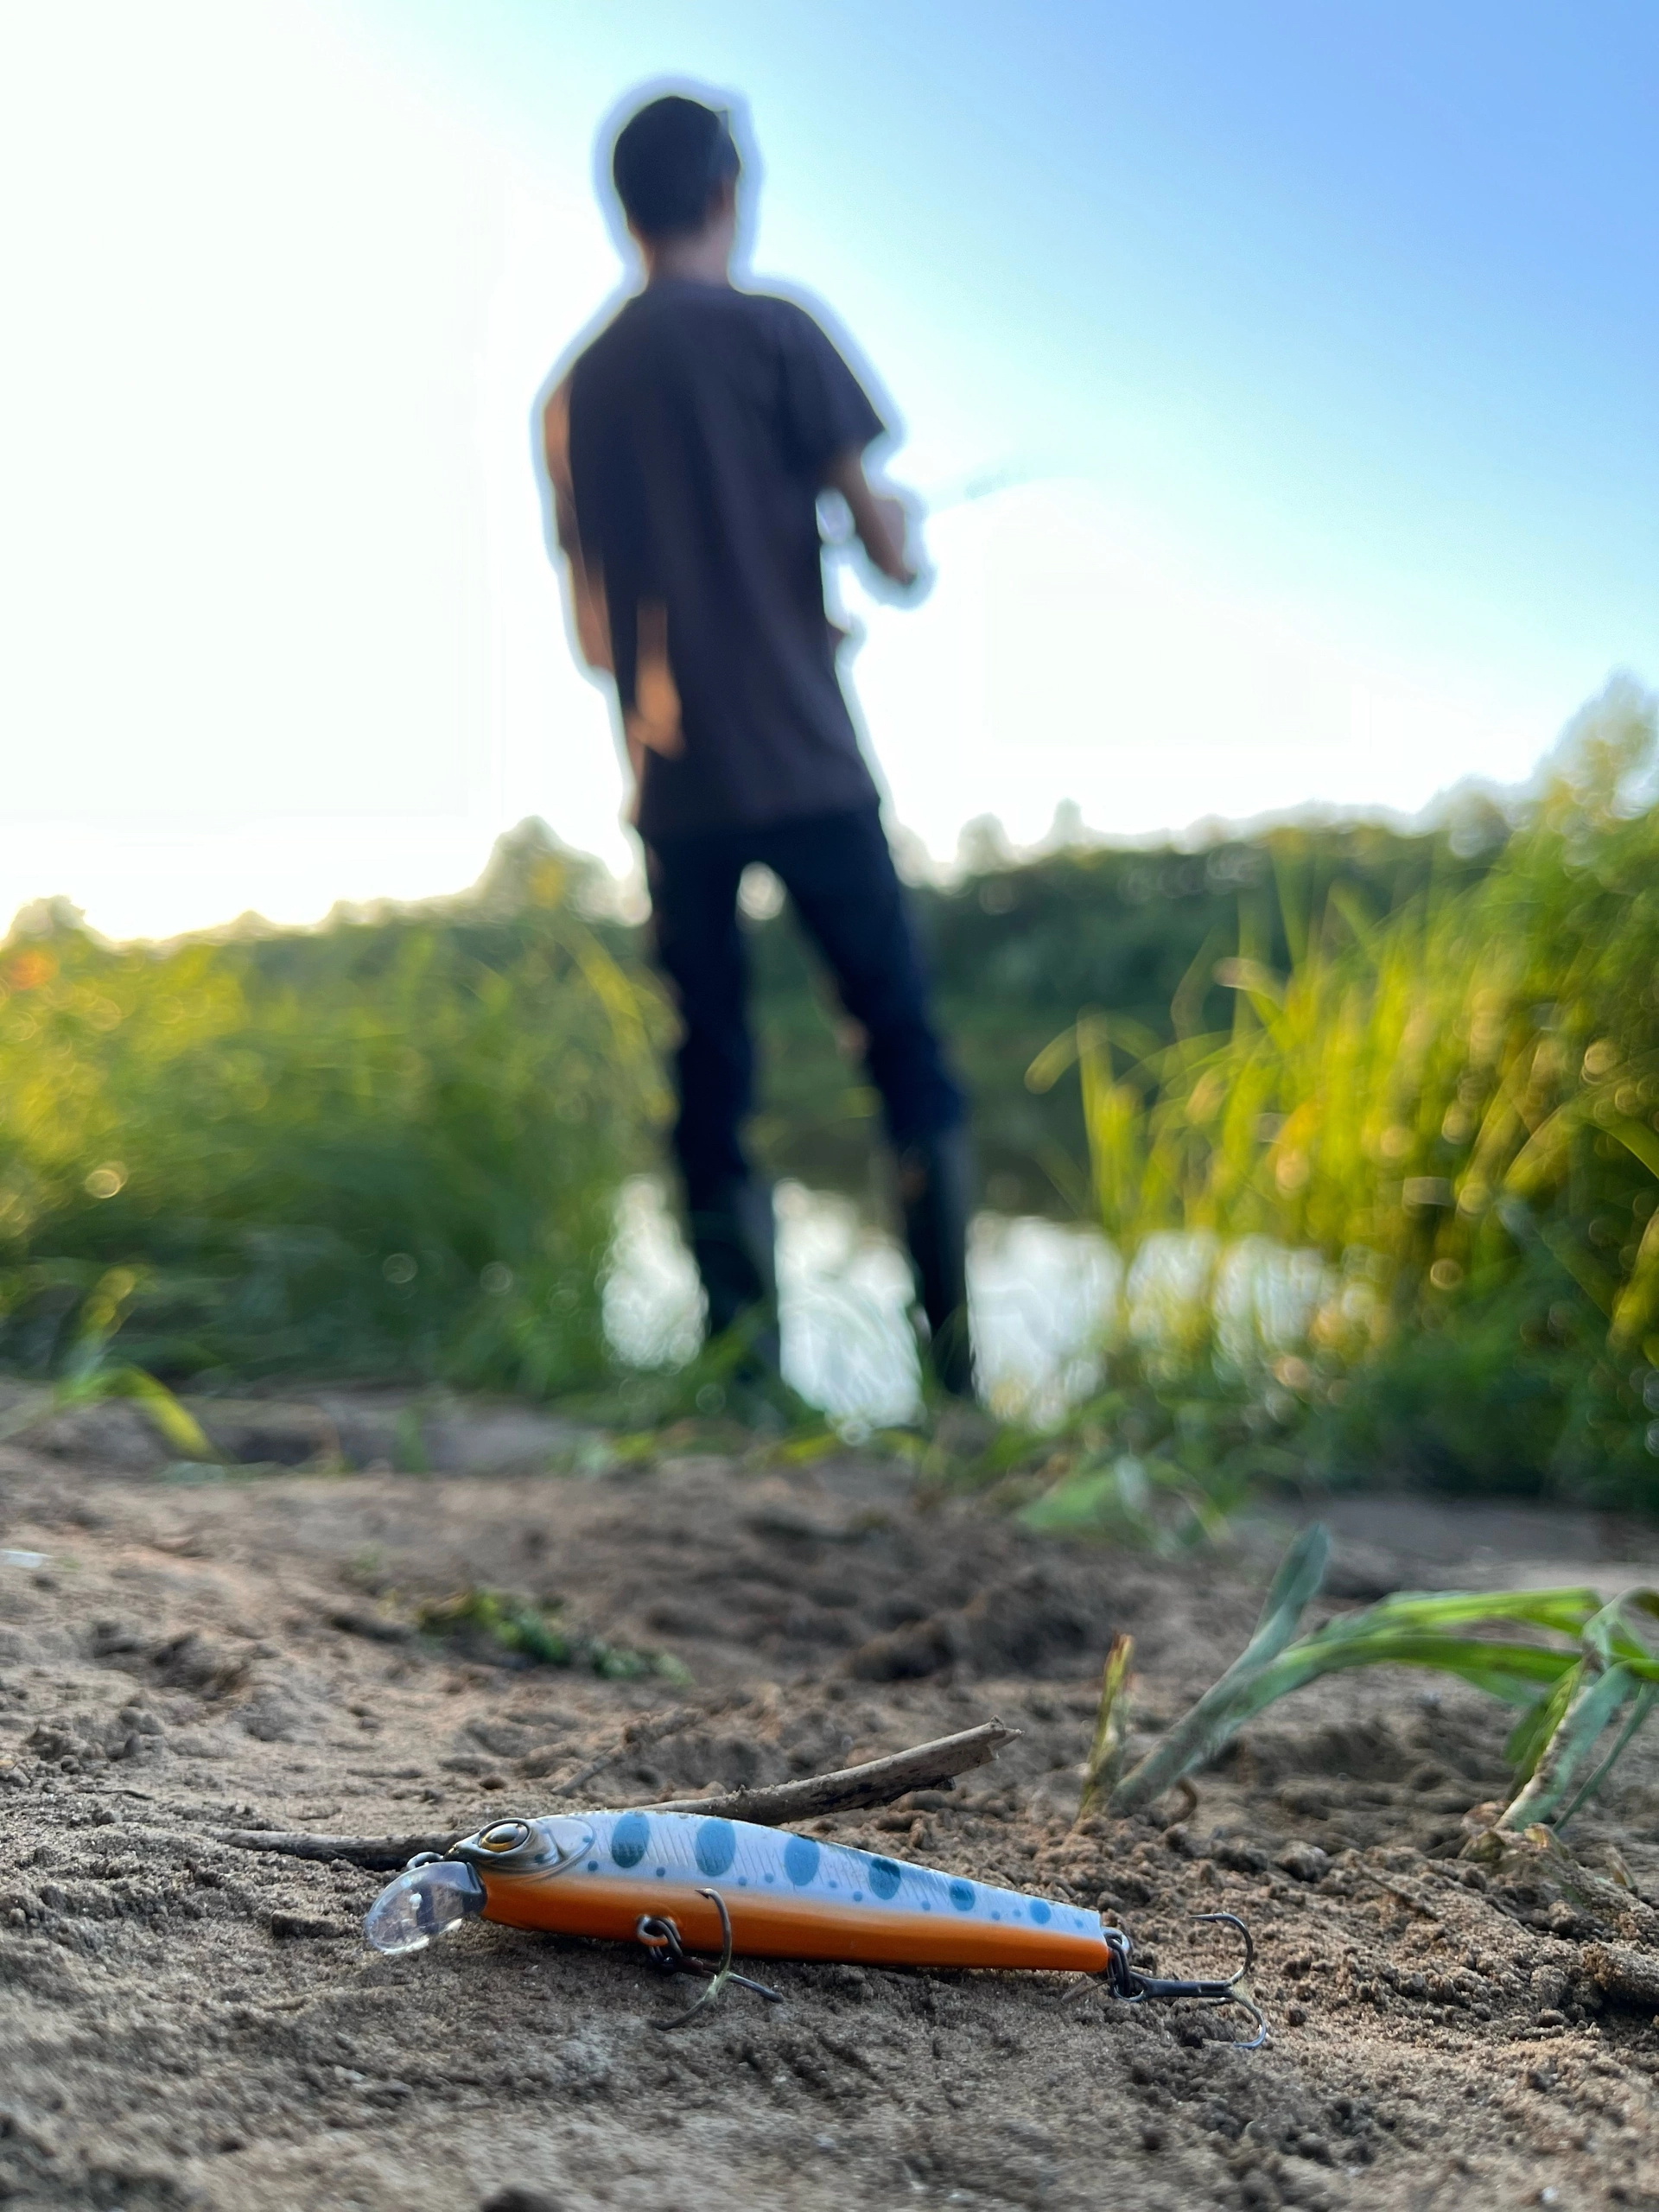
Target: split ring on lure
x=681, y=1881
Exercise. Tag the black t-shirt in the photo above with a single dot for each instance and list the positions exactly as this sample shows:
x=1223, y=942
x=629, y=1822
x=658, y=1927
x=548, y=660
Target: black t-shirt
x=702, y=421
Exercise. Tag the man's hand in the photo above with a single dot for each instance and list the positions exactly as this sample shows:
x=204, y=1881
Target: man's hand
x=891, y=512
x=881, y=520
x=653, y=721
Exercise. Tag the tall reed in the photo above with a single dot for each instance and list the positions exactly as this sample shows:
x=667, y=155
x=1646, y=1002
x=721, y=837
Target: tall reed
x=1454, y=1106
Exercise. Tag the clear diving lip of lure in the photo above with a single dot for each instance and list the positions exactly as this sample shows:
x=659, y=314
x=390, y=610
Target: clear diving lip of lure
x=682, y=1882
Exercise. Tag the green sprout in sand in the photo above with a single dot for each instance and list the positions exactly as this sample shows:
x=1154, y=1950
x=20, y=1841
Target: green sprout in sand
x=1581, y=1695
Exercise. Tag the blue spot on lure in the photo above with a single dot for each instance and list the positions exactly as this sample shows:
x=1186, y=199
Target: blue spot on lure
x=680, y=1882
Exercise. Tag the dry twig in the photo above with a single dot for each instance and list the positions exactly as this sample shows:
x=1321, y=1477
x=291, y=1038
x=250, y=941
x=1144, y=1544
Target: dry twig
x=877, y=1782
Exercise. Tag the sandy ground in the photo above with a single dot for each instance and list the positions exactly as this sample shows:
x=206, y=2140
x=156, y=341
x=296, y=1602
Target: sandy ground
x=184, y=2024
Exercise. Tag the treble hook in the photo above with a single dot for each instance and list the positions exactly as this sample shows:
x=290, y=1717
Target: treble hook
x=661, y=1938
x=1133, y=1988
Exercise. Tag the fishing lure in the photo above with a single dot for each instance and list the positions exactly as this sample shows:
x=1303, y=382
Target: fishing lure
x=680, y=1882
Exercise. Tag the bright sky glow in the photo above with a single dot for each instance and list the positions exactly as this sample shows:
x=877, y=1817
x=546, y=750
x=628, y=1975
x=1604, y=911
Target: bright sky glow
x=1314, y=345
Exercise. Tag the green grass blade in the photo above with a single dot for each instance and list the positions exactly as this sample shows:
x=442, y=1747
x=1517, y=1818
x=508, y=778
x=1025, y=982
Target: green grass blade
x=1301, y=1571
x=1641, y=1705
x=1515, y=1672
x=1526, y=1740
x=1202, y=1732
x=1610, y=1633
x=1567, y=1610
x=1599, y=1697
x=177, y=1426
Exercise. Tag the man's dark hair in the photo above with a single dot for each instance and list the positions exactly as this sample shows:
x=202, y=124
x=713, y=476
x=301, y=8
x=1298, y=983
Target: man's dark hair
x=669, y=162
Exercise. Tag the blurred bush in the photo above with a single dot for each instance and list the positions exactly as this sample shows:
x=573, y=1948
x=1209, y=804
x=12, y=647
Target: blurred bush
x=387, y=1147
x=1014, y=947
x=1454, y=1104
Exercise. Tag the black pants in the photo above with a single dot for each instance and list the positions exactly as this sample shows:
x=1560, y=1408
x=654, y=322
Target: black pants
x=837, y=869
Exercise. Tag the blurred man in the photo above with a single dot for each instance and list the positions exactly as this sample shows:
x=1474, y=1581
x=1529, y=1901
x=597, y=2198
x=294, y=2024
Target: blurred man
x=687, y=450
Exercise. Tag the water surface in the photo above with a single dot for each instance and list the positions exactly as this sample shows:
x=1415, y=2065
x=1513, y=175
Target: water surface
x=1040, y=1294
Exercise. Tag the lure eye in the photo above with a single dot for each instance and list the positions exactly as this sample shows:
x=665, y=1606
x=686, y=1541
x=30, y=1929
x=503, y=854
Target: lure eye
x=526, y=1849
x=506, y=1835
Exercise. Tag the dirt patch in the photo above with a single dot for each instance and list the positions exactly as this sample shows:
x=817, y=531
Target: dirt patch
x=186, y=2024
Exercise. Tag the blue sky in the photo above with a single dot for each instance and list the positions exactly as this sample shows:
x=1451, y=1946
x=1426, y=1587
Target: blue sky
x=1318, y=345
x=1372, y=284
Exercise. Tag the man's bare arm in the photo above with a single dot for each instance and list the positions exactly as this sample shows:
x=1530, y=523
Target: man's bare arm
x=652, y=721
x=590, y=620
x=879, y=518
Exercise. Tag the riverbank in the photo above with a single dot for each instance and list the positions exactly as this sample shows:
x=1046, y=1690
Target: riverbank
x=188, y=2024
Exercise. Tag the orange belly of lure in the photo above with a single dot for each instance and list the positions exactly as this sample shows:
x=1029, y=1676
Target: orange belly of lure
x=785, y=1927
